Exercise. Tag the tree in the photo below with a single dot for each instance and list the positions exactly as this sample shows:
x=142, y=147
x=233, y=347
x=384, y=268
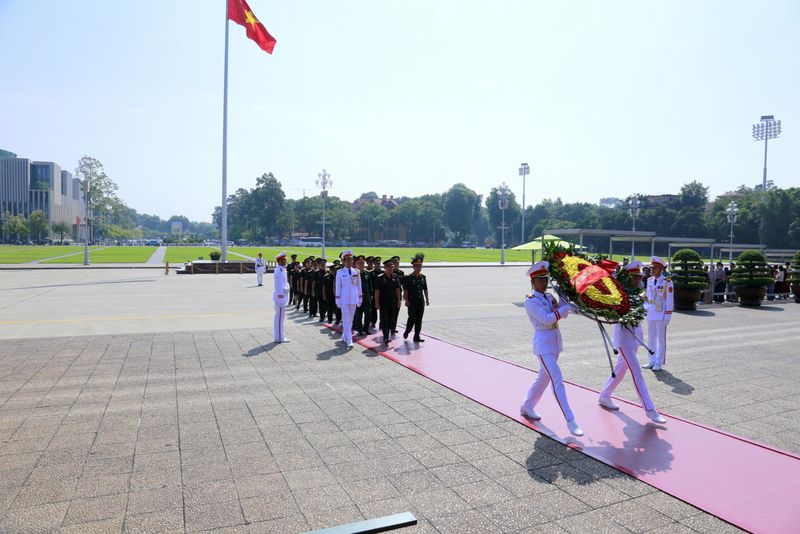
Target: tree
x=461, y=208
x=512, y=215
x=60, y=228
x=37, y=223
x=372, y=216
x=265, y=203
x=694, y=195
x=16, y=226
x=101, y=195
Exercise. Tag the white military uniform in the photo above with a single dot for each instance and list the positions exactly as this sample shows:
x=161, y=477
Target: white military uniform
x=348, y=298
x=659, y=305
x=627, y=340
x=544, y=314
x=280, y=297
x=261, y=268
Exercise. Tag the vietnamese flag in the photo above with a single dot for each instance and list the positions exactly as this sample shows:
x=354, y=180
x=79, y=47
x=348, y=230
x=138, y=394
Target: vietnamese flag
x=240, y=13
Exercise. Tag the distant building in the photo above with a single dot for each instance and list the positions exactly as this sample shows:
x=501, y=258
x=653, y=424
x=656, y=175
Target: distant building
x=387, y=202
x=27, y=186
x=660, y=200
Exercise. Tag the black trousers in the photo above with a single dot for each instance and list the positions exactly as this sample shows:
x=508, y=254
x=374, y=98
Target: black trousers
x=323, y=307
x=291, y=293
x=363, y=316
x=302, y=300
x=312, y=305
x=388, y=319
x=415, y=312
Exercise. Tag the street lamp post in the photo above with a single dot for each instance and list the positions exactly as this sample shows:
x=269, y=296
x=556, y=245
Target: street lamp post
x=503, y=196
x=765, y=130
x=633, y=211
x=732, y=211
x=86, y=218
x=324, y=182
x=524, y=171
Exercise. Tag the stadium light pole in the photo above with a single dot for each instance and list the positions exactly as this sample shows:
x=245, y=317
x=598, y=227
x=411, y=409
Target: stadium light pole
x=765, y=130
x=633, y=211
x=503, y=196
x=324, y=182
x=524, y=171
x=733, y=211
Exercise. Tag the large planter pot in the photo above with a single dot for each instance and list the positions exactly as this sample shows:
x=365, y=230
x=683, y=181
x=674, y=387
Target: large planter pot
x=796, y=291
x=686, y=299
x=750, y=296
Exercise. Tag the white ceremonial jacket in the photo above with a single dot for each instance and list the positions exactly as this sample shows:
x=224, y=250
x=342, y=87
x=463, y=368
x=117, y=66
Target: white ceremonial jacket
x=660, y=299
x=544, y=314
x=261, y=265
x=630, y=336
x=348, y=286
x=280, y=292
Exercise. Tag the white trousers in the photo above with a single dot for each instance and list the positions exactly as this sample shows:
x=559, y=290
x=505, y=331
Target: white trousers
x=259, y=278
x=657, y=339
x=348, y=312
x=549, y=373
x=627, y=360
x=279, y=323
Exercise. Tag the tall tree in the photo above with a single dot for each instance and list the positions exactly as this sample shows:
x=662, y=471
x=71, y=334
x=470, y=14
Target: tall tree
x=60, y=228
x=461, y=208
x=37, y=223
x=512, y=216
x=371, y=218
x=102, y=192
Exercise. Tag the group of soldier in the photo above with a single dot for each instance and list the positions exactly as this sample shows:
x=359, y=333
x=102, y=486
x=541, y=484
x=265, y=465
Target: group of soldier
x=374, y=288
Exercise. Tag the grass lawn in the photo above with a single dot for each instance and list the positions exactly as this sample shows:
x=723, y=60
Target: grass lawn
x=25, y=254
x=182, y=254
x=112, y=255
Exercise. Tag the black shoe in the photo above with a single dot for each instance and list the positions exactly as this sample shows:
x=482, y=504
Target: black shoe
x=405, y=334
x=394, y=331
x=385, y=340
x=419, y=340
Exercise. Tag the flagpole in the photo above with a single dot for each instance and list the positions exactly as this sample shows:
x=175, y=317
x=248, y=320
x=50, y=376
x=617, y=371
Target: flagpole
x=224, y=215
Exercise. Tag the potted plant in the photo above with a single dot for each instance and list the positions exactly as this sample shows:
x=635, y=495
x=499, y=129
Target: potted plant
x=794, y=277
x=215, y=255
x=688, y=278
x=750, y=277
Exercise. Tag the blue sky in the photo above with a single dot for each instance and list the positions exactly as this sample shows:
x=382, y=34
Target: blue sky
x=404, y=98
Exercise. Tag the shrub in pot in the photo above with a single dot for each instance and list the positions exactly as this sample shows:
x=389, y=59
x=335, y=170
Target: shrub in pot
x=794, y=277
x=751, y=276
x=688, y=278
x=215, y=255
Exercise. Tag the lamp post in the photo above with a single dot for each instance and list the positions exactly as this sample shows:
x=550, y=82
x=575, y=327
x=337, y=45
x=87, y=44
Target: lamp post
x=765, y=130
x=633, y=211
x=524, y=171
x=503, y=196
x=86, y=235
x=324, y=182
x=732, y=211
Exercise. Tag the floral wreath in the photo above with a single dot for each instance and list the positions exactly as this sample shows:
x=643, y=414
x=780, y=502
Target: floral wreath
x=595, y=286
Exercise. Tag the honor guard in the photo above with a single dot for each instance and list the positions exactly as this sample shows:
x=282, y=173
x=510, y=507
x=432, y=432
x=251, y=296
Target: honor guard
x=659, y=303
x=627, y=339
x=544, y=314
x=280, y=297
x=364, y=310
x=415, y=296
x=261, y=268
x=387, y=298
x=348, y=295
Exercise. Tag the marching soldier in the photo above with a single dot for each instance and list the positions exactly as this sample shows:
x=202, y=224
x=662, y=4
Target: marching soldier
x=280, y=297
x=400, y=275
x=415, y=297
x=627, y=340
x=291, y=269
x=305, y=282
x=364, y=311
x=261, y=268
x=329, y=294
x=376, y=272
x=387, y=298
x=544, y=314
x=659, y=303
x=348, y=295
x=319, y=288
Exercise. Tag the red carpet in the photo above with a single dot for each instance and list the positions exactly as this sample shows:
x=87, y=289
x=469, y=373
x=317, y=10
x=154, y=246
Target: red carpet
x=742, y=482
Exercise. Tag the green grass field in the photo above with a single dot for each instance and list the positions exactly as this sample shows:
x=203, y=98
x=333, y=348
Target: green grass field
x=111, y=255
x=16, y=254
x=183, y=254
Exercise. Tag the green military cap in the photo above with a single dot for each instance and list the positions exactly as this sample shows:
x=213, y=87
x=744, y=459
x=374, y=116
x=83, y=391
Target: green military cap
x=370, y=258
x=336, y=262
x=377, y=258
x=389, y=261
x=396, y=258
x=360, y=257
x=321, y=260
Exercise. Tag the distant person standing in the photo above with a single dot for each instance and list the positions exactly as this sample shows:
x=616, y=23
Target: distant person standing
x=348, y=295
x=280, y=297
x=387, y=298
x=261, y=268
x=659, y=303
x=415, y=297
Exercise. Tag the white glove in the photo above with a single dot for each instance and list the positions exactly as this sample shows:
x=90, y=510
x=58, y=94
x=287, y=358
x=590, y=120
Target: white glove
x=564, y=309
x=667, y=317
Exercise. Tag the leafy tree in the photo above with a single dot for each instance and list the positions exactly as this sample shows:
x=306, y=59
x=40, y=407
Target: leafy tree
x=372, y=216
x=694, y=195
x=15, y=226
x=461, y=208
x=37, y=223
x=60, y=228
x=102, y=192
x=512, y=216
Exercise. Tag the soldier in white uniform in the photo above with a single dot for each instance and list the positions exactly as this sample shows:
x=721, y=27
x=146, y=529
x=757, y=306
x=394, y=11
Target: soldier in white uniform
x=280, y=297
x=348, y=295
x=544, y=314
x=261, y=268
x=627, y=340
x=659, y=303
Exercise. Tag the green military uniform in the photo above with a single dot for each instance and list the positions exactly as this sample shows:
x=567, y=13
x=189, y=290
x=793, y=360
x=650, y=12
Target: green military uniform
x=416, y=288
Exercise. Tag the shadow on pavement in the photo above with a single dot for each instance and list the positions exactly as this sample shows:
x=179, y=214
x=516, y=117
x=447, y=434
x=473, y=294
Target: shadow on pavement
x=678, y=386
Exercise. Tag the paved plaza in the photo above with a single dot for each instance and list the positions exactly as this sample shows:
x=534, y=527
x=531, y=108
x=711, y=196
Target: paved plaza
x=133, y=401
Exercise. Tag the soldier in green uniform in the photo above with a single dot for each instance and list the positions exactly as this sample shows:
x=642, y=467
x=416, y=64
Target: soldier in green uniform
x=398, y=272
x=387, y=298
x=376, y=272
x=364, y=312
x=415, y=296
x=303, y=283
x=291, y=272
x=319, y=288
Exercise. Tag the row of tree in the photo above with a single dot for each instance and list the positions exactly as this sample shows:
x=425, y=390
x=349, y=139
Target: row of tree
x=17, y=227
x=461, y=214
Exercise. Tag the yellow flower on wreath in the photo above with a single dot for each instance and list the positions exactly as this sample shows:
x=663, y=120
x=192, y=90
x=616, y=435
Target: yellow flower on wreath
x=572, y=266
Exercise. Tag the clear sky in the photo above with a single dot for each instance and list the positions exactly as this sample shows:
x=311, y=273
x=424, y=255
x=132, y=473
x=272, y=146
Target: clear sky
x=404, y=98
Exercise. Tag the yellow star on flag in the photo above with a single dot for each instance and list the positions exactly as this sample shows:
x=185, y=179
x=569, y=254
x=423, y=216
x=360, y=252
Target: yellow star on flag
x=250, y=18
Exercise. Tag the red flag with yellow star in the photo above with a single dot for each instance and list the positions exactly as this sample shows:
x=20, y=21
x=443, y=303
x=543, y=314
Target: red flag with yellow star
x=240, y=13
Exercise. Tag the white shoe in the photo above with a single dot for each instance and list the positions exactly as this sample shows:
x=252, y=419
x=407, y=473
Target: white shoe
x=656, y=417
x=656, y=367
x=574, y=428
x=647, y=366
x=349, y=345
x=606, y=403
x=530, y=414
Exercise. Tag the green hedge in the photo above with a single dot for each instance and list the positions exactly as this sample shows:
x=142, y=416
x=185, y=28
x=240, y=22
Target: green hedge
x=794, y=276
x=687, y=270
x=751, y=270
